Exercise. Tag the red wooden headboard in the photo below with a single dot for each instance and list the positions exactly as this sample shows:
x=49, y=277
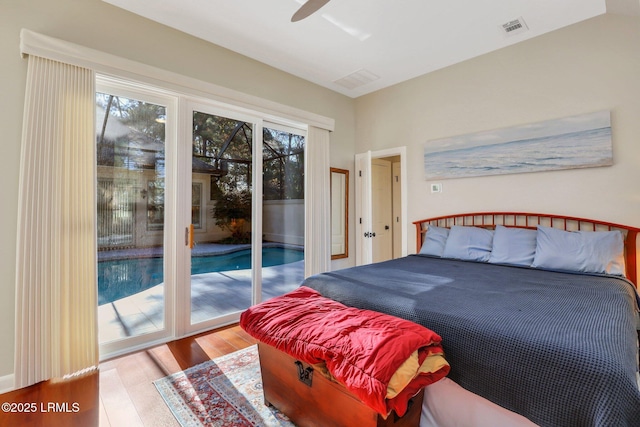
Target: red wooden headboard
x=531, y=220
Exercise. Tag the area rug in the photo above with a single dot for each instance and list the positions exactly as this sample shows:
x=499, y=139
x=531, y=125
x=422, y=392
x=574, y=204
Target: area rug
x=222, y=392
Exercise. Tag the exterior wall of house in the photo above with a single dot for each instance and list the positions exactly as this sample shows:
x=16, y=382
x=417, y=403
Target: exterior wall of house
x=129, y=218
x=587, y=67
x=98, y=25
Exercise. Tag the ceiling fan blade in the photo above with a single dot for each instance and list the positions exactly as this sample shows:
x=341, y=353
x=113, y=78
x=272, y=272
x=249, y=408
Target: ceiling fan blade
x=310, y=7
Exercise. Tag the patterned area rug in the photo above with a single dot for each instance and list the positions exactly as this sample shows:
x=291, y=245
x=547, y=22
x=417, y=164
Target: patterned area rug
x=223, y=392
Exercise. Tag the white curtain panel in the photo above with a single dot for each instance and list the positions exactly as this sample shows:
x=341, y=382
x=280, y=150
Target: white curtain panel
x=317, y=235
x=56, y=292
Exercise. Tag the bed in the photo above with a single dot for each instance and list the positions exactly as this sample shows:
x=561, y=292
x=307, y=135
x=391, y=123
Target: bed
x=538, y=316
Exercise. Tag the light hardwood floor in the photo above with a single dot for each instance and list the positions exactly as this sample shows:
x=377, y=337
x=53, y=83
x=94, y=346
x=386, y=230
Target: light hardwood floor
x=122, y=393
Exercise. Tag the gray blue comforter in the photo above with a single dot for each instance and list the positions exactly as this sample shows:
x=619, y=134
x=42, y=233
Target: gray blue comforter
x=557, y=348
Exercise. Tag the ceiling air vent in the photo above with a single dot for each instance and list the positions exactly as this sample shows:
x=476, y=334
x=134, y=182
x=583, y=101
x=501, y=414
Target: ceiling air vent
x=514, y=27
x=356, y=79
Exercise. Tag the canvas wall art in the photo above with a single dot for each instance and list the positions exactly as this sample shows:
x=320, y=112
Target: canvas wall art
x=572, y=142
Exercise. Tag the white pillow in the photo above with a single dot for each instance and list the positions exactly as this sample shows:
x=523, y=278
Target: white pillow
x=514, y=246
x=468, y=243
x=582, y=251
x=434, y=241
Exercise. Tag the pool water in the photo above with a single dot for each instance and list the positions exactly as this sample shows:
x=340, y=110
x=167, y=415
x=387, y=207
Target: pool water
x=122, y=278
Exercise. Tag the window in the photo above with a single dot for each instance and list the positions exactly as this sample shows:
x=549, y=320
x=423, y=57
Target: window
x=155, y=205
x=283, y=165
x=196, y=204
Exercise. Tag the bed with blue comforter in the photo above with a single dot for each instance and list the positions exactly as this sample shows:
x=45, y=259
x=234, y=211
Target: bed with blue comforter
x=558, y=348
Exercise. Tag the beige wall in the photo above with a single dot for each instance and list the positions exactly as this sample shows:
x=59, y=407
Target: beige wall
x=98, y=25
x=588, y=67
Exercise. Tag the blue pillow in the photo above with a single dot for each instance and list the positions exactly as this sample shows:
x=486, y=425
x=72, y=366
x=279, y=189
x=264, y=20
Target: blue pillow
x=434, y=241
x=582, y=251
x=514, y=246
x=468, y=243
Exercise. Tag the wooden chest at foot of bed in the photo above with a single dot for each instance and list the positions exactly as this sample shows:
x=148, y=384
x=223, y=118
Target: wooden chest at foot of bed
x=310, y=399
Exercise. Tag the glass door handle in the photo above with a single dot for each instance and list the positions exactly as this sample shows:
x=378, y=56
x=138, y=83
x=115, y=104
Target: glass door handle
x=188, y=236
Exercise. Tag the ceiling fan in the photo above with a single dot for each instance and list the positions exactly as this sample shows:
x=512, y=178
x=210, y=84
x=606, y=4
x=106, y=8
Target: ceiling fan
x=309, y=8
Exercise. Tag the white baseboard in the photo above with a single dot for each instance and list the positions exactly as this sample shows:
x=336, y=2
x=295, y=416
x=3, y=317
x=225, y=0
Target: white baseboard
x=7, y=383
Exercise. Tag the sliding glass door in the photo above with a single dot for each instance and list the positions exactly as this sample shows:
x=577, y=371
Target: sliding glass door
x=283, y=156
x=248, y=246
x=200, y=214
x=222, y=171
x=132, y=137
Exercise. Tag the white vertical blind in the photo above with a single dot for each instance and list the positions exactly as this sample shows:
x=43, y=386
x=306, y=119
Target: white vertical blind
x=317, y=234
x=56, y=292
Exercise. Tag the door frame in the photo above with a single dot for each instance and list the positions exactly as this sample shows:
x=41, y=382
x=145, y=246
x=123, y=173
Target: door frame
x=363, y=203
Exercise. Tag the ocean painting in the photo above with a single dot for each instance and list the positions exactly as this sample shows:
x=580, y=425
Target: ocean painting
x=573, y=142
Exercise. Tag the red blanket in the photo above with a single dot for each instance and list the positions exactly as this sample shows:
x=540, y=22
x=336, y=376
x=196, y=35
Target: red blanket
x=362, y=349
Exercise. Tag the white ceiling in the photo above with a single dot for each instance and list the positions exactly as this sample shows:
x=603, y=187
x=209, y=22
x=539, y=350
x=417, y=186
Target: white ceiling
x=386, y=41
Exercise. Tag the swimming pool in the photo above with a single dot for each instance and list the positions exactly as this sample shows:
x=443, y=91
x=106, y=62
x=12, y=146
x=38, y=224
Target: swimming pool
x=122, y=278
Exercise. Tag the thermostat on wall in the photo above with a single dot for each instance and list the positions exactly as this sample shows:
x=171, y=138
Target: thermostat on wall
x=436, y=188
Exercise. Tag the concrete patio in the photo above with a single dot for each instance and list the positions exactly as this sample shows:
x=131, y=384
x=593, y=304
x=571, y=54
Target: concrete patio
x=212, y=295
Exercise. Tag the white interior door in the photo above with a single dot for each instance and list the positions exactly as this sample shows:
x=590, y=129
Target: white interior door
x=364, y=206
x=381, y=213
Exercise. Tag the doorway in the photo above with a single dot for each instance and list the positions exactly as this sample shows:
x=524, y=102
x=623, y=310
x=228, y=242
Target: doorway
x=380, y=206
